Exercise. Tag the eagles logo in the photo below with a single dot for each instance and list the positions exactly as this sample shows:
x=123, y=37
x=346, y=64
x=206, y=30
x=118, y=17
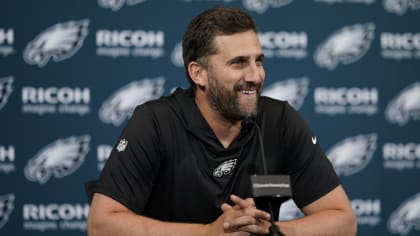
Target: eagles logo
x=405, y=106
x=60, y=158
x=406, y=217
x=292, y=90
x=59, y=42
x=345, y=46
x=115, y=5
x=6, y=89
x=260, y=6
x=176, y=55
x=116, y=109
x=225, y=168
x=352, y=154
x=400, y=7
x=6, y=208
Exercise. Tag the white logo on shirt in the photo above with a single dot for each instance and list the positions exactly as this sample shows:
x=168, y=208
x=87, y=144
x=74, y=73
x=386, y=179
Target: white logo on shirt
x=314, y=139
x=122, y=145
x=225, y=168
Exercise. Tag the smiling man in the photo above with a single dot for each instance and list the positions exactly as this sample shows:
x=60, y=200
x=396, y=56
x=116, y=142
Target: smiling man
x=187, y=158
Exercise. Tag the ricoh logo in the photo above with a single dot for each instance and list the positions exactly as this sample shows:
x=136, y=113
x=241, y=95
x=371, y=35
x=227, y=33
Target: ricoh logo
x=352, y=101
x=7, y=159
x=55, y=217
x=353, y=154
x=368, y=211
x=400, y=7
x=292, y=90
x=116, y=5
x=130, y=43
x=6, y=88
x=59, y=159
x=284, y=44
x=405, y=106
x=406, y=218
x=119, y=107
x=7, y=39
x=6, y=208
x=58, y=42
x=102, y=153
x=401, y=156
x=400, y=46
x=56, y=100
x=345, y=46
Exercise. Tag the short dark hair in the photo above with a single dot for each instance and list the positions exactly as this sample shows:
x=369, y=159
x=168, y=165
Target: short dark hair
x=198, y=41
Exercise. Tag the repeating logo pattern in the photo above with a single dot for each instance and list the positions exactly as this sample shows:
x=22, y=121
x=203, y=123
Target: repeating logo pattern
x=345, y=46
x=260, y=6
x=58, y=159
x=292, y=90
x=352, y=154
x=357, y=59
x=6, y=208
x=405, y=106
x=116, y=109
x=6, y=88
x=400, y=7
x=406, y=217
x=116, y=5
x=59, y=42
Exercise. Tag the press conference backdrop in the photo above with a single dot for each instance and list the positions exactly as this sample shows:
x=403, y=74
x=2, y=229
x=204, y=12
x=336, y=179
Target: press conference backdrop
x=72, y=71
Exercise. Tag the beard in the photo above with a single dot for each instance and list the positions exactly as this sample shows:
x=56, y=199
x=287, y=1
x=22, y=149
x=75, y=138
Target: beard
x=227, y=103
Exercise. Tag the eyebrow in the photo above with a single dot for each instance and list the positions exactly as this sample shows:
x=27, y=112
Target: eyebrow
x=260, y=56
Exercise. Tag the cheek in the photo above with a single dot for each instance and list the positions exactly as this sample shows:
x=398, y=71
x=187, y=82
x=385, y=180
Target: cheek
x=262, y=74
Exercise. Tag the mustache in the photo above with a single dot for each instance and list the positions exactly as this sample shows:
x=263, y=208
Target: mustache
x=240, y=86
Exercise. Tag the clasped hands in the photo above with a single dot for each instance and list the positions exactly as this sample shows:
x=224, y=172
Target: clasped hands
x=242, y=218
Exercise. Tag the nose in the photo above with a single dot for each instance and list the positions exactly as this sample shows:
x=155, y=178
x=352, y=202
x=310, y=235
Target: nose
x=255, y=73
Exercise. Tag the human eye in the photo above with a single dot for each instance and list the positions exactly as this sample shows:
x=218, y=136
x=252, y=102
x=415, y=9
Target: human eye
x=239, y=61
x=259, y=60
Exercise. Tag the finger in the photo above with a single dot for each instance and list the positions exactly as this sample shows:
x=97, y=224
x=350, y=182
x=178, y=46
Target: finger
x=251, y=201
x=247, y=216
x=243, y=203
x=225, y=207
x=256, y=229
x=259, y=214
x=256, y=213
x=248, y=224
x=249, y=208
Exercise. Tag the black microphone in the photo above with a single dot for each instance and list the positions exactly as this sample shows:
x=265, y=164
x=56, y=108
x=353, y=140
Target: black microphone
x=268, y=190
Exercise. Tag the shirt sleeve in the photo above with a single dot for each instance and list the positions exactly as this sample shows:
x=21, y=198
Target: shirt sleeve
x=129, y=173
x=312, y=174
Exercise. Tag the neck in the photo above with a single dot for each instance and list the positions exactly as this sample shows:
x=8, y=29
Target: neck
x=225, y=130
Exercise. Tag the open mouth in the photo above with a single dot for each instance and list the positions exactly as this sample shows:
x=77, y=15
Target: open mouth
x=248, y=91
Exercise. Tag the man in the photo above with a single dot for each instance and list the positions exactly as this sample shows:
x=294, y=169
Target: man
x=182, y=164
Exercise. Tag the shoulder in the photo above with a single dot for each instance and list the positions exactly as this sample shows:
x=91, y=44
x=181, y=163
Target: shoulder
x=159, y=106
x=274, y=108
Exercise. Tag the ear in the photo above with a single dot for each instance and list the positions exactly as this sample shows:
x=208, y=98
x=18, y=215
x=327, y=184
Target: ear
x=197, y=73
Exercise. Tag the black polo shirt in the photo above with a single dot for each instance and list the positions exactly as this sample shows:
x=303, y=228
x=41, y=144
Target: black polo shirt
x=169, y=165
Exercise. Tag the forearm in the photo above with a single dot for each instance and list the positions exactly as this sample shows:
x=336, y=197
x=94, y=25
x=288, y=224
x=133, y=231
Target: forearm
x=130, y=224
x=325, y=223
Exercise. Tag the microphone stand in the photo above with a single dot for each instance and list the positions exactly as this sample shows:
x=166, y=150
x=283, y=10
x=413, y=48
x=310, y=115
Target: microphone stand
x=274, y=230
x=284, y=181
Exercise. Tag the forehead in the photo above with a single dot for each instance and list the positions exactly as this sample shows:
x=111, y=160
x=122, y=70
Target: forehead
x=239, y=44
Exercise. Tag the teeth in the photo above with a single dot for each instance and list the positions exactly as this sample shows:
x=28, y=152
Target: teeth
x=248, y=91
